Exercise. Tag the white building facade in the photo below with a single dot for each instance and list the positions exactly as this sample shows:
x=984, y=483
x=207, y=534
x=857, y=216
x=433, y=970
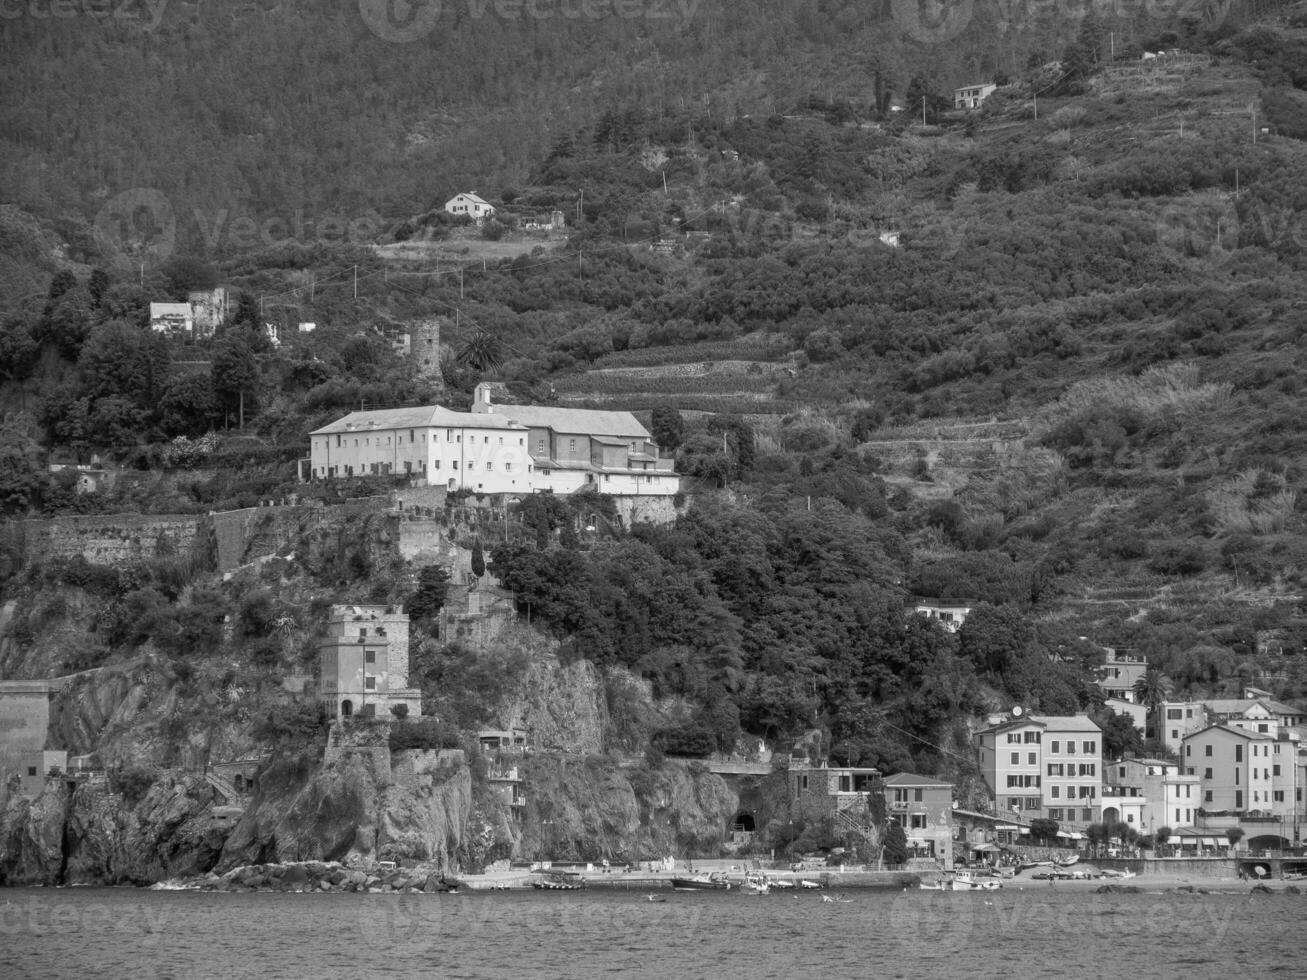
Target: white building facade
x=496, y=449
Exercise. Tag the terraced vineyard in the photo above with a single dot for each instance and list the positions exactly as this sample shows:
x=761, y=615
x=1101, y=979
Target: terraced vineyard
x=730, y=385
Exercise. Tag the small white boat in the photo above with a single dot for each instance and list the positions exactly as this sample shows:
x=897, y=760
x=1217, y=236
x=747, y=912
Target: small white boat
x=1115, y=875
x=755, y=884
x=805, y=883
x=969, y=881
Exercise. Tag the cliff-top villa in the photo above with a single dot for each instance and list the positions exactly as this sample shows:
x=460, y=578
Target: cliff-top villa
x=496, y=449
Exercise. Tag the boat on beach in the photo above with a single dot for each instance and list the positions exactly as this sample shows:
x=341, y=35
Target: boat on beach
x=966, y=880
x=701, y=882
x=559, y=881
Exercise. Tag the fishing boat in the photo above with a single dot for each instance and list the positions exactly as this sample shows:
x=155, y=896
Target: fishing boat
x=965, y=880
x=701, y=882
x=559, y=881
x=808, y=883
x=755, y=884
x=1067, y=861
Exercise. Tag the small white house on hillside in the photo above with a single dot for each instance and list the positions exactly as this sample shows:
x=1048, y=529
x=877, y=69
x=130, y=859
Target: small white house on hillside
x=469, y=204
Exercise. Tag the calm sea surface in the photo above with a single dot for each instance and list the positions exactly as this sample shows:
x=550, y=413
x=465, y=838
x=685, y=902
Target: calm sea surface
x=106, y=933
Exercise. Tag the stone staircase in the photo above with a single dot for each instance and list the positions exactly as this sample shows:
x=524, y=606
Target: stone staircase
x=846, y=822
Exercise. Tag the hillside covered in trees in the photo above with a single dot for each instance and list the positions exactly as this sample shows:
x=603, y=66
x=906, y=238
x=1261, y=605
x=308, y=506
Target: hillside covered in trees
x=1047, y=356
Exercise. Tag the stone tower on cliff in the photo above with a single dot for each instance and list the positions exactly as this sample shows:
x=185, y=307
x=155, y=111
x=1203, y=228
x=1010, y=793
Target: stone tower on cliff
x=425, y=339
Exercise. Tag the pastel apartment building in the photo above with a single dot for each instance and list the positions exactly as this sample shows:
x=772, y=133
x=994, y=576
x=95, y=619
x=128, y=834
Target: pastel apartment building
x=1120, y=670
x=923, y=807
x=495, y=449
x=363, y=663
x=1150, y=793
x=1260, y=714
x=1243, y=771
x=1045, y=766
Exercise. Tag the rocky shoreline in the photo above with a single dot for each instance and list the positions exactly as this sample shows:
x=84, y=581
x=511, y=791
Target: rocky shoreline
x=315, y=876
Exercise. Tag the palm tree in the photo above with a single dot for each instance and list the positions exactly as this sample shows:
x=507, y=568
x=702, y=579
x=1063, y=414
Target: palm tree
x=1151, y=691
x=482, y=353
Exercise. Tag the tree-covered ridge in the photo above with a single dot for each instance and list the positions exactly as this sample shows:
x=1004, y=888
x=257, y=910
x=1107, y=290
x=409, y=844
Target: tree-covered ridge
x=1110, y=296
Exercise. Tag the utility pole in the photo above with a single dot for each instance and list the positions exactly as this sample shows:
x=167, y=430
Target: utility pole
x=356, y=281
x=460, y=282
x=923, y=110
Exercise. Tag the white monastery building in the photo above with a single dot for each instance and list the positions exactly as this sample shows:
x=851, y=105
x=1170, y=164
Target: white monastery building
x=496, y=449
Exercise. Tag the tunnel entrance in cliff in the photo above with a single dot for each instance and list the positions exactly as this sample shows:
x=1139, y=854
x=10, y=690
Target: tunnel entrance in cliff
x=743, y=822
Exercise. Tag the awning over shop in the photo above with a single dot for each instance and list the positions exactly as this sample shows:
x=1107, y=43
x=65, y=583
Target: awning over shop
x=1210, y=842
x=985, y=848
x=1175, y=839
x=1006, y=826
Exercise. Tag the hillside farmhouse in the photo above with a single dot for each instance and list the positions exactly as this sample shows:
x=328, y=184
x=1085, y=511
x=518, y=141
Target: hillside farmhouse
x=471, y=205
x=496, y=449
x=971, y=96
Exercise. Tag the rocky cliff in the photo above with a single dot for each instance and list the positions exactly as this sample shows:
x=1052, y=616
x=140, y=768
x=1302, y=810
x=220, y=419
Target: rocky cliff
x=588, y=809
x=91, y=834
x=356, y=807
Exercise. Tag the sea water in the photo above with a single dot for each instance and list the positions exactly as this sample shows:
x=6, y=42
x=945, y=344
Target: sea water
x=1013, y=933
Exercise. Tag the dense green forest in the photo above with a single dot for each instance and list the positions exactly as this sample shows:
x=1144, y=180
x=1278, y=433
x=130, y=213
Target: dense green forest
x=1046, y=356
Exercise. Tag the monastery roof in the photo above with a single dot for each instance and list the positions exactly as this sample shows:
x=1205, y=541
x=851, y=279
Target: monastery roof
x=425, y=416
x=585, y=421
